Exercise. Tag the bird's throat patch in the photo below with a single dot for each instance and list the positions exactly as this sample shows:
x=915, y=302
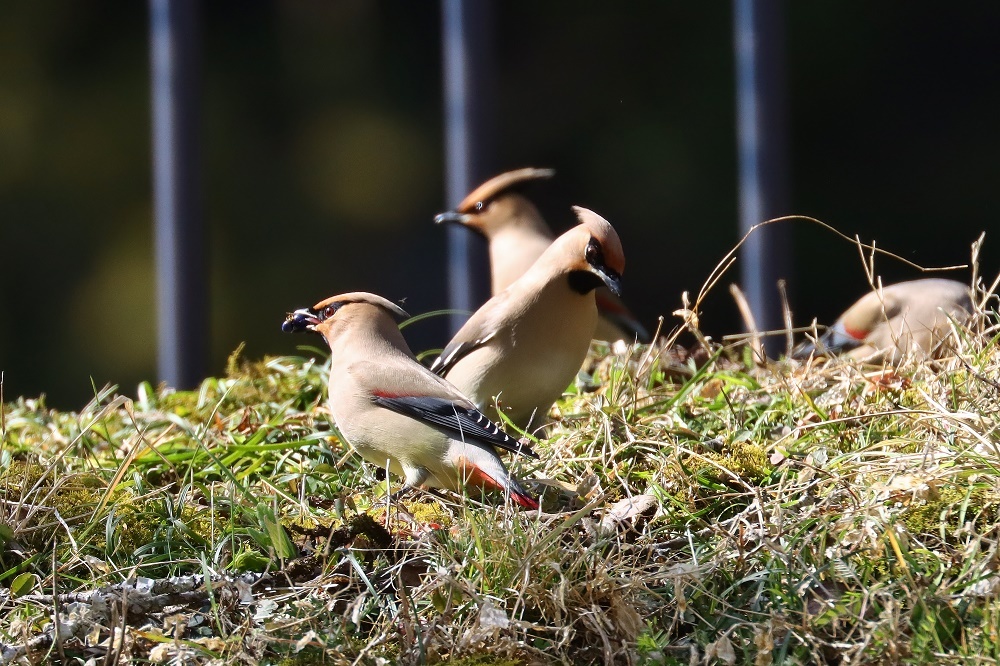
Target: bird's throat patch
x=584, y=282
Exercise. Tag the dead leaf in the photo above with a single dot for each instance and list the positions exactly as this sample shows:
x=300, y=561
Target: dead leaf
x=491, y=617
x=305, y=640
x=160, y=653
x=212, y=643
x=722, y=650
x=629, y=510
x=711, y=389
x=626, y=618
x=763, y=640
x=589, y=486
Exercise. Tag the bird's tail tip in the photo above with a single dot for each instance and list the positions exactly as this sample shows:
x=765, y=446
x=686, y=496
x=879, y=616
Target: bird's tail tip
x=497, y=478
x=521, y=496
x=524, y=499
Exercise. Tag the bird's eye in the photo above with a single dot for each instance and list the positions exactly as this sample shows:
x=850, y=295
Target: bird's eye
x=593, y=252
x=480, y=205
x=329, y=311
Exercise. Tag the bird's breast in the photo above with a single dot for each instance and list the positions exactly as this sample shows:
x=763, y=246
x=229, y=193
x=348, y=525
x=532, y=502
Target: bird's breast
x=532, y=359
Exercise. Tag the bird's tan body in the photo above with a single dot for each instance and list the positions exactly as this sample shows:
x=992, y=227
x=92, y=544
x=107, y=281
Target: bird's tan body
x=374, y=432
x=902, y=319
x=526, y=344
x=526, y=377
x=369, y=361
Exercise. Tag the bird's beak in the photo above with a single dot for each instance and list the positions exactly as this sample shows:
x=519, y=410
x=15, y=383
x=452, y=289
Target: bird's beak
x=822, y=346
x=804, y=350
x=304, y=319
x=833, y=341
x=611, y=280
x=452, y=216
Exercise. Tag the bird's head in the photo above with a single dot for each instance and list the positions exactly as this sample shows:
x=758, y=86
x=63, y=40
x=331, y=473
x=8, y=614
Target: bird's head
x=321, y=316
x=592, y=253
x=498, y=204
x=854, y=326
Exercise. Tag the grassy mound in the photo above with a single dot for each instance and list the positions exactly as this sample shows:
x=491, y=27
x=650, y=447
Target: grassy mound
x=793, y=513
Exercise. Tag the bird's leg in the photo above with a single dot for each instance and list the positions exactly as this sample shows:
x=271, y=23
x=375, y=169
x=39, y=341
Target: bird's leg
x=436, y=493
x=396, y=496
x=393, y=501
x=414, y=477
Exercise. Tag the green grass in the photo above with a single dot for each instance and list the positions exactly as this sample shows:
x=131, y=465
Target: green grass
x=802, y=514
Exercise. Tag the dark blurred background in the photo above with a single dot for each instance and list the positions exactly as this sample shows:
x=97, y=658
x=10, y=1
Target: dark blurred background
x=323, y=159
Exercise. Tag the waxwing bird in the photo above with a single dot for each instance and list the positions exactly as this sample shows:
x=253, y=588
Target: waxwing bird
x=394, y=411
x=899, y=319
x=526, y=344
x=518, y=235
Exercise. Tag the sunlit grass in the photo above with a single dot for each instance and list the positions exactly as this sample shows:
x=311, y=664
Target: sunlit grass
x=794, y=513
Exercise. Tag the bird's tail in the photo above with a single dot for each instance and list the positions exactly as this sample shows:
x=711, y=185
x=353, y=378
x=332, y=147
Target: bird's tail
x=519, y=494
x=483, y=470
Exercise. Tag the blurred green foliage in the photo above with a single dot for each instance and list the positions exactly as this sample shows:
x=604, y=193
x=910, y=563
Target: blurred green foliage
x=323, y=158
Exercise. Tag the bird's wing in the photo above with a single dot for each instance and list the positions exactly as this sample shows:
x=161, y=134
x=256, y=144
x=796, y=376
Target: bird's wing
x=478, y=331
x=462, y=423
x=457, y=349
x=412, y=390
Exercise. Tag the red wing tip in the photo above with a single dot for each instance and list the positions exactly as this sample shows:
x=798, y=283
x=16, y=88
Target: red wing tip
x=857, y=335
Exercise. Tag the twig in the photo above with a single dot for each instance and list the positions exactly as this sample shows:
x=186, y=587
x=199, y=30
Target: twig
x=786, y=313
x=690, y=311
x=730, y=259
x=750, y=323
x=55, y=610
x=978, y=376
x=12, y=653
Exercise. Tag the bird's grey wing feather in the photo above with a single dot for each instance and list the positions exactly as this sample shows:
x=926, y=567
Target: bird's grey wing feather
x=463, y=423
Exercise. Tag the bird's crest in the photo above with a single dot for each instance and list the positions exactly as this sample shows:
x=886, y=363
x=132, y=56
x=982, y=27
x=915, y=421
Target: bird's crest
x=500, y=184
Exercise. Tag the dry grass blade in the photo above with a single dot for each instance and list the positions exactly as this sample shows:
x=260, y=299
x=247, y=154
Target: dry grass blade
x=750, y=324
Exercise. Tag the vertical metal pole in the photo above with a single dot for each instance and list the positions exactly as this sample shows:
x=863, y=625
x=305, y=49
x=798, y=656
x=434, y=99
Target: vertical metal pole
x=758, y=32
x=466, y=50
x=180, y=264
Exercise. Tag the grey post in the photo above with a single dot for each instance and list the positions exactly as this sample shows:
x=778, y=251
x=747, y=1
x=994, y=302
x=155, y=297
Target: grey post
x=180, y=259
x=466, y=46
x=758, y=36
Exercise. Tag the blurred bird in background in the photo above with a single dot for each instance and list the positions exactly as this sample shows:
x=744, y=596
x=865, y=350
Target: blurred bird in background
x=518, y=235
x=897, y=320
x=395, y=412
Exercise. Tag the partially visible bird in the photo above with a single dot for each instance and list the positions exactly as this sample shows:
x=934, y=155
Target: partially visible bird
x=396, y=412
x=518, y=235
x=525, y=345
x=895, y=321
